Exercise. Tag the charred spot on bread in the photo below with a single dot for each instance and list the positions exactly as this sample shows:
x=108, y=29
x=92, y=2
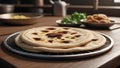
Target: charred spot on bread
x=67, y=37
x=51, y=28
x=54, y=34
x=45, y=31
x=77, y=35
x=65, y=41
x=63, y=32
x=37, y=39
x=73, y=33
x=72, y=37
x=35, y=33
x=94, y=39
x=50, y=41
x=59, y=37
x=62, y=39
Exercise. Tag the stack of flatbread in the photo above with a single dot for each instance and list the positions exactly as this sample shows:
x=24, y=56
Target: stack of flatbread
x=59, y=40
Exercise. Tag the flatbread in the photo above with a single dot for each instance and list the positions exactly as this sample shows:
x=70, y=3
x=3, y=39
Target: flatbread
x=56, y=37
x=97, y=42
x=24, y=46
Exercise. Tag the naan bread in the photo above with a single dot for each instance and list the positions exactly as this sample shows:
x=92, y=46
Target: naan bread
x=24, y=46
x=56, y=37
x=97, y=42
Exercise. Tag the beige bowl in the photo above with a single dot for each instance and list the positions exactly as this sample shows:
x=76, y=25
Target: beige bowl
x=7, y=18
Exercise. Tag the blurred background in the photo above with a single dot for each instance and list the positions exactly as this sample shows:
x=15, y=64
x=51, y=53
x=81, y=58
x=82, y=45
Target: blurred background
x=109, y=7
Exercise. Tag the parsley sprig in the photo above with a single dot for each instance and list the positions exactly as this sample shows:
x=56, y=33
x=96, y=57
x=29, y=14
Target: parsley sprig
x=74, y=18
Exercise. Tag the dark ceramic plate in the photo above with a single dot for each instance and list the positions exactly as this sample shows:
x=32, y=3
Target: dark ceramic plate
x=97, y=25
x=9, y=44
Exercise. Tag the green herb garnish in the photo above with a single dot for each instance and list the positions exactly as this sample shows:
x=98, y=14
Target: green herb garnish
x=74, y=18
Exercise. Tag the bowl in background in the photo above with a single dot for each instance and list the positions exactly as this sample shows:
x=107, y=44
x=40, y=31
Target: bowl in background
x=7, y=18
x=97, y=25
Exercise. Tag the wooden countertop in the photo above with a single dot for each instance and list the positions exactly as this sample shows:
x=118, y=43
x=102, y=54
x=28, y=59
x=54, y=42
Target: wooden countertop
x=106, y=60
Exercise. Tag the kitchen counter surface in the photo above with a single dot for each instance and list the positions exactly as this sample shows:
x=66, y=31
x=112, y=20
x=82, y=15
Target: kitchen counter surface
x=107, y=60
